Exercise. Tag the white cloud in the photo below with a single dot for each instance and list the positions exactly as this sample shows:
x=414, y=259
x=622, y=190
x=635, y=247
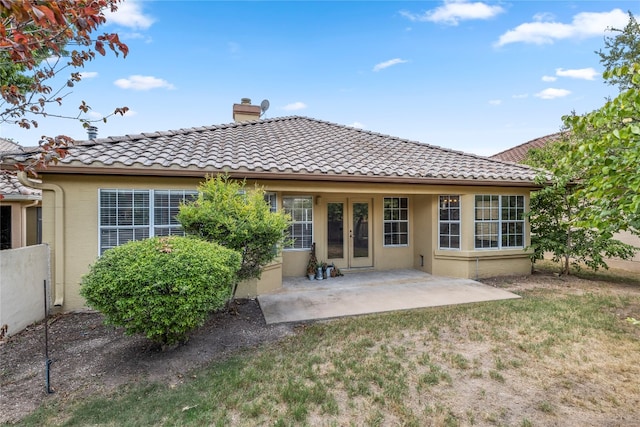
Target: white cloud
x=295, y=106
x=520, y=96
x=552, y=93
x=357, y=125
x=582, y=73
x=129, y=14
x=389, y=63
x=137, y=82
x=495, y=101
x=89, y=74
x=454, y=11
x=585, y=24
x=549, y=78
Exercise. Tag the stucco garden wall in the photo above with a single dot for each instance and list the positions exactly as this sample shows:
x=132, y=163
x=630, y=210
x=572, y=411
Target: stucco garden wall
x=23, y=273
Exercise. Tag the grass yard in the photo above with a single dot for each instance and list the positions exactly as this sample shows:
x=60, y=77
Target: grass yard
x=562, y=355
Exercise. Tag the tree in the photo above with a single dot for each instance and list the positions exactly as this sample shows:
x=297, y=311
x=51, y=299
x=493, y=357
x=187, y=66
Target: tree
x=622, y=49
x=228, y=213
x=557, y=213
x=608, y=155
x=162, y=287
x=595, y=191
x=33, y=38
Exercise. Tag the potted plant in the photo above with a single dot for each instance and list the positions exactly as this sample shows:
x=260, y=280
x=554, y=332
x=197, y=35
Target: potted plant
x=319, y=270
x=311, y=271
x=329, y=270
x=312, y=264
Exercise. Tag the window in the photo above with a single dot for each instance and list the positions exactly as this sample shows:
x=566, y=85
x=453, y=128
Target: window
x=449, y=222
x=126, y=215
x=301, y=228
x=272, y=201
x=396, y=221
x=499, y=221
x=166, y=204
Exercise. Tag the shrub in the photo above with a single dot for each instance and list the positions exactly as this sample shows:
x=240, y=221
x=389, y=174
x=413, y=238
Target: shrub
x=162, y=287
x=237, y=217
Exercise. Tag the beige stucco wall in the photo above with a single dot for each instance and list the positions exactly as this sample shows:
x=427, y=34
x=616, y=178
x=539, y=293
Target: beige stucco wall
x=631, y=264
x=70, y=226
x=23, y=272
x=32, y=226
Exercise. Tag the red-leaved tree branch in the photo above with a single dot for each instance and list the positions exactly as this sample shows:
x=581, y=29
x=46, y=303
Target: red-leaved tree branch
x=39, y=40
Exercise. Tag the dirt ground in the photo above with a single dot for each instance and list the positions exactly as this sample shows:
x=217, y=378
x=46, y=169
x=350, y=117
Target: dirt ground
x=89, y=357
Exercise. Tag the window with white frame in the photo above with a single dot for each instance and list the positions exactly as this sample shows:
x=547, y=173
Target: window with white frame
x=301, y=227
x=126, y=215
x=449, y=222
x=272, y=201
x=499, y=222
x=396, y=221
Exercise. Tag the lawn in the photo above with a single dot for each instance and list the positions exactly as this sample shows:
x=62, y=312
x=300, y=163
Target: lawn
x=564, y=354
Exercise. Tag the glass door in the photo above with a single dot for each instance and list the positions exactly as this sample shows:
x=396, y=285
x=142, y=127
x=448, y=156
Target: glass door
x=360, y=234
x=349, y=233
x=335, y=231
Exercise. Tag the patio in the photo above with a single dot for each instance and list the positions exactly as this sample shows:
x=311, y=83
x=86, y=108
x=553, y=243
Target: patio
x=365, y=292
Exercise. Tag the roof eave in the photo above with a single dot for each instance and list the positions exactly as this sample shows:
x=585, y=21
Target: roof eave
x=249, y=174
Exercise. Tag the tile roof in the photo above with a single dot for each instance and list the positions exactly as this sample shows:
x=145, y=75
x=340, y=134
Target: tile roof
x=518, y=153
x=10, y=187
x=306, y=148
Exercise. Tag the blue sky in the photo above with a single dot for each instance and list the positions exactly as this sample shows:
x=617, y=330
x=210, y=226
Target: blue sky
x=475, y=76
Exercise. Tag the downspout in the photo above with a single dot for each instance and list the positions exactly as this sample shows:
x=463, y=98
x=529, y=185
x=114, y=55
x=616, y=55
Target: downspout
x=58, y=232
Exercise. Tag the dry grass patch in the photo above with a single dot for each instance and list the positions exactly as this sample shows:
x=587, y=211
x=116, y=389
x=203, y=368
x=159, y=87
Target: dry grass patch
x=549, y=357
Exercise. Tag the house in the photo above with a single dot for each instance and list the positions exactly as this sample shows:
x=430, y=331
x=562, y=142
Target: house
x=368, y=201
x=19, y=207
x=518, y=154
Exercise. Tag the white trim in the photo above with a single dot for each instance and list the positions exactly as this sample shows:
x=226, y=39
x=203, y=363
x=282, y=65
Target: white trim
x=398, y=221
x=458, y=221
x=499, y=222
x=313, y=215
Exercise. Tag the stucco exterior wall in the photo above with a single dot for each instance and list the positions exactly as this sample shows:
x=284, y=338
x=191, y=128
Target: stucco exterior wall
x=32, y=226
x=424, y=230
x=631, y=264
x=70, y=226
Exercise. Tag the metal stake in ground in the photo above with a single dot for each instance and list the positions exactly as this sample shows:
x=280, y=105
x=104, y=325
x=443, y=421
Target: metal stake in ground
x=47, y=361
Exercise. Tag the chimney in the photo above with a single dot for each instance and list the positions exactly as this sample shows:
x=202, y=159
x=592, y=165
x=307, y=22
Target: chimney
x=92, y=132
x=244, y=111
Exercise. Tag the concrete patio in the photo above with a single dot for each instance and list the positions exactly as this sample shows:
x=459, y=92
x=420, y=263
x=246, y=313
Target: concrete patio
x=354, y=293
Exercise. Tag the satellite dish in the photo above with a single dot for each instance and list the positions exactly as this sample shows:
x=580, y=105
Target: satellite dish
x=264, y=106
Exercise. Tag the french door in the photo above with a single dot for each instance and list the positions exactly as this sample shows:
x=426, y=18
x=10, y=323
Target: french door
x=349, y=233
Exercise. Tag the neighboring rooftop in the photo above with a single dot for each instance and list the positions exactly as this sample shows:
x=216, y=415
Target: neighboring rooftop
x=518, y=153
x=292, y=147
x=10, y=187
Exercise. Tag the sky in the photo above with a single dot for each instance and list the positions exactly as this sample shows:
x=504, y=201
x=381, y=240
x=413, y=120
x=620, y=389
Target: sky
x=474, y=76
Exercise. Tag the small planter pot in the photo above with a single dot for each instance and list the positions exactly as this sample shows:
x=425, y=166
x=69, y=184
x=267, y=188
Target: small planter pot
x=311, y=276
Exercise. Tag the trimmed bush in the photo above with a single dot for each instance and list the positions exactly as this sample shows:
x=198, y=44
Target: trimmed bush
x=238, y=218
x=162, y=287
